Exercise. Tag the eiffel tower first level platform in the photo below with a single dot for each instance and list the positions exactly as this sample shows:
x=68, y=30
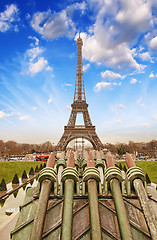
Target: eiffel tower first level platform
x=79, y=105
x=71, y=133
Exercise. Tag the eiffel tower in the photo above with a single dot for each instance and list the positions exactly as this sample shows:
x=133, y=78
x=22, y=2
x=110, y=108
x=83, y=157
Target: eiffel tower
x=79, y=105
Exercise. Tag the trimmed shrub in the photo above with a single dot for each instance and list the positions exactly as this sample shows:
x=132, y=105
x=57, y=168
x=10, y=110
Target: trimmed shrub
x=147, y=179
x=24, y=175
x=31, y=182
x=31, y=172
x=124, y=168
x=41, y=167
x=2, y=201
x=15, y=193
x=24, y=187
x=15, y=179
x=37, y=169
x=120, y=166
x=3, y=185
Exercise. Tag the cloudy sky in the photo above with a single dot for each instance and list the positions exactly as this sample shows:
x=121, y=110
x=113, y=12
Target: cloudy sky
x=38, y=66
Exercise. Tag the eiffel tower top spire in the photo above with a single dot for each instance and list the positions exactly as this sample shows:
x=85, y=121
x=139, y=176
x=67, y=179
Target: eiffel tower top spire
x=79, y=94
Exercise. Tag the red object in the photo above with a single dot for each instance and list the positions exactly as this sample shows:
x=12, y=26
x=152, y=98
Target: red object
x=71, y=161
x=41, y=158
x=129, y=161
x=51, y=161
x=90, y=161
x=109, y=160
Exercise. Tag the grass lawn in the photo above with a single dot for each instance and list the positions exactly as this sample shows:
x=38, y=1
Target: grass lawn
x=9, y=169
x=149, y=167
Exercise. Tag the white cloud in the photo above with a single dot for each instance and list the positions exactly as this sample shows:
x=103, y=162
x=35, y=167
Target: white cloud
x=145, y=56
x=16, y=28
x=139, y=102
x=100, y=85
x=79, y=6
x=153, y=43
x=34, y=108
x=54, y=25
x=67, y=84
x=28, y=16
x=50, y=100
x=152, y=75
x=140, y=99
x=86, y=67
x=5, y=115
x=110, y=75
x=36, y=63
x=9, y=17
x=118, y=121
x=111, y=39
x=145, y=125
x=140, y=49
x=34, y=52
x=107, y=52
x=133, y=81
x=24, y=117
x=49, y=68
x=136, y=13
x=154, y=116
x=142, y=105
x=122, y=106
x=38, y=66
x=35, y=39
x=68, y=107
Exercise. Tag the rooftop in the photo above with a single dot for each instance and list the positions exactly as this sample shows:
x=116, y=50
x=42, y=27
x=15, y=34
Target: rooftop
x=85, y=196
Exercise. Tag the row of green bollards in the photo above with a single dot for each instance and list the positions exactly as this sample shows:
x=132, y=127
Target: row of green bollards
x=24, y=176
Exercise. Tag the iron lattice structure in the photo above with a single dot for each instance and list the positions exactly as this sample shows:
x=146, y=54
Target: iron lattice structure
x=79, y=105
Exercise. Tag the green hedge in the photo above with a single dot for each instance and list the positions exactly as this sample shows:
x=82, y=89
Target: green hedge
x=9, y=169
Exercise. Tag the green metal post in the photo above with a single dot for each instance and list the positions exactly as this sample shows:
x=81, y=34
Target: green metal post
x=39, y=219
x=68, y=210
x=94, y=210
x=124, y=226
x=41, y=210
x=123, y=222
x=143, y=198
x=148, y=212
x=95, y=228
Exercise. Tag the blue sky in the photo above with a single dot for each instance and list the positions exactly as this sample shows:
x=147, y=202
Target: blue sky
x=38, y=66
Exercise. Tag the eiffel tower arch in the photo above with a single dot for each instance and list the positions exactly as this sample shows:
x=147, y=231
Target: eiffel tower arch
x=79, y=105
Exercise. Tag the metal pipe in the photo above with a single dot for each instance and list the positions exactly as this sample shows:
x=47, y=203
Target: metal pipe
x=68, y=203
x=41, y=211
x=38, y=223
x=95, y=226
x=144, y=201
x=124, y=226
x=68, y=210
